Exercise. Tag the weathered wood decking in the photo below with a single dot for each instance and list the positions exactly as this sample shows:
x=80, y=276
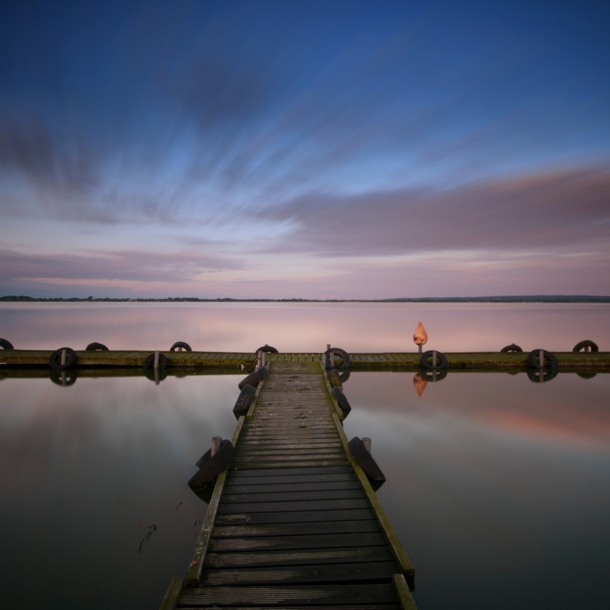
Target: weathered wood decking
x=409, y=361
x=293, y=522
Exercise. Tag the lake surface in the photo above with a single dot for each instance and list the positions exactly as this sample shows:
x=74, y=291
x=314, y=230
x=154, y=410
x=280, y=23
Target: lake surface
x=499, y=488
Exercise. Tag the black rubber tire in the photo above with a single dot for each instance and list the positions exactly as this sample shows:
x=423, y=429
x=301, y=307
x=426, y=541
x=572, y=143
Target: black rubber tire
x=510, y=349
x=549, y=360
x=345, y=359
x=547, y=375
x=433, y=375
x=255, y=378
x=244, y=399
x=343, y=375
x=583, y=345
x=587, y=375
x=149, y=361
x=341, y=399
x=56, y=377
x=4, y=344
x=181, y=344
x=333, y=378
x=150, y=374
x=441, y=362
x=268, y=349
x=70, y=360
x=212, y=465
x=365, y=460
x=96, y=347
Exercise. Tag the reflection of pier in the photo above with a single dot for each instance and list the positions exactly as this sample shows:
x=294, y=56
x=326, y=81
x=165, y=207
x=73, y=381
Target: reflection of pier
x=294, y=522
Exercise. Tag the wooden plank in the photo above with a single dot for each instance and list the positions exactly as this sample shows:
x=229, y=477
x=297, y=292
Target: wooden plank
x=289, y=444
x=294, y=543
x=294, y=471
x=281, y=507
x=261, y=465
x=286, y=454
x=302, y=574
x=279, y=496
x=194, y=572
x=292, y=487
x=174, y=591
x=243, y=478
x=297, y=558
x=254, y=402
x=296, y=529
x=271, y=448
x=292, y=594
x=293, y=517
x=403, y=592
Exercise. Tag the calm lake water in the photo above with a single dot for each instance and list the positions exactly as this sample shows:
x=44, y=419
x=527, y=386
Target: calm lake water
x=499, y=488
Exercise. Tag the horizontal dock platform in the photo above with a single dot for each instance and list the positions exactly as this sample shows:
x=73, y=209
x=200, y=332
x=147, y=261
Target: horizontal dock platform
x=397, y=361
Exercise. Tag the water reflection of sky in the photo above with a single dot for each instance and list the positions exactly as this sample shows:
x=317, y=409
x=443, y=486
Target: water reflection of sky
x=497, y=486
x=304, y=327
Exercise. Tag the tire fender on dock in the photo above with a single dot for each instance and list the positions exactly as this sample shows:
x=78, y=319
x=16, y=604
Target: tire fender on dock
x=255, y=378
x=4, y=344
x=365, y=460
x=182, y=344
x=96, y=347
x=245, y=399
x=337, y=351
x=210, y=466
x=70, y=359
x=512, y=348
x=586, y=346
x=441, y=360
x=341, y=399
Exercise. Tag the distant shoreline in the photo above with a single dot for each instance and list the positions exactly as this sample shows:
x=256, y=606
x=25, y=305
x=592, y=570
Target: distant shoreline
x=503, y=299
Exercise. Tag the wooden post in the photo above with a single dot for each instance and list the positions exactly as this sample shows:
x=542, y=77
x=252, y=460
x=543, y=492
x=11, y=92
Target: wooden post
x=216, y=440
x=366, y=441
x=63, y=378
x=419, y=350
x=324, y=360
x=331, y=358
x=156, y=364
x=541, y=358
x=63, y=357
x=434, y=359
x=263, y=358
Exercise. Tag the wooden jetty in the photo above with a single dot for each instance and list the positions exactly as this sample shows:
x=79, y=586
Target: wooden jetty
x=294, y=522
x=404, y=361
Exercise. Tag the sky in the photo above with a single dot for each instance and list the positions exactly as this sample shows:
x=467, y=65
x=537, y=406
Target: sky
x=272, y=149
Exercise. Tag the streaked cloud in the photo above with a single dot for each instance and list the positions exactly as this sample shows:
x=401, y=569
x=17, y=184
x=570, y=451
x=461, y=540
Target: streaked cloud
x=303, y=148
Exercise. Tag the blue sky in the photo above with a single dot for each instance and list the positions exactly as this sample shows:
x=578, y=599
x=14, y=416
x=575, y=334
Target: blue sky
x=304, y=149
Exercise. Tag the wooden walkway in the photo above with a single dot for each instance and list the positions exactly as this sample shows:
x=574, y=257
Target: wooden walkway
x=293, y=522
x=405, y=361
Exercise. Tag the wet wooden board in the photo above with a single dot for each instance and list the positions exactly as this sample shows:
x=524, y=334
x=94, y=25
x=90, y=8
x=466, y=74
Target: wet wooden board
x=310, y=594
x=312, y=541
x=342, y=572
x=290, y=523
x=296, y=529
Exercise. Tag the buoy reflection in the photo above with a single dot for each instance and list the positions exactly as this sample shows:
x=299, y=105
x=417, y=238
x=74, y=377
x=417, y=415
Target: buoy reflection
x=419, y=383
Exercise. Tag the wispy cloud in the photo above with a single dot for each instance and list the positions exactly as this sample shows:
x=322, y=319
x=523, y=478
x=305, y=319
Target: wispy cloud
x=553, y=210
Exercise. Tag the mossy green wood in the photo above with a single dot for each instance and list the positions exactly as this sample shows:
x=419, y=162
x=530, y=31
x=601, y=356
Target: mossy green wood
x=194, y=572
x=386, y=526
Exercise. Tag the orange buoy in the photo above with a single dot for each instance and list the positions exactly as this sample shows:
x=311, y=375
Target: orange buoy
x=421, y=336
